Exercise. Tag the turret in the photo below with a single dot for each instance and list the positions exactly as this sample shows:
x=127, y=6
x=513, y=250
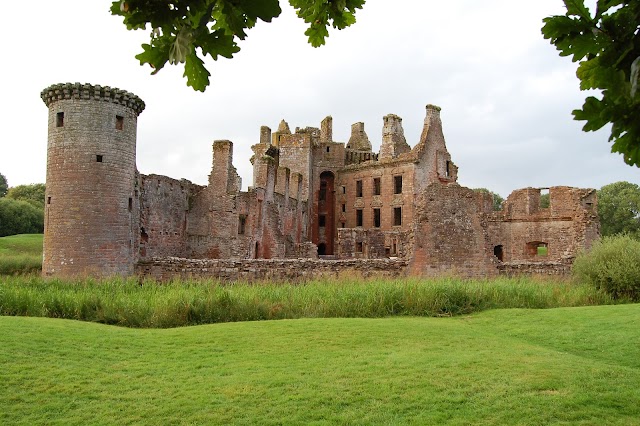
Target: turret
x=92, y=208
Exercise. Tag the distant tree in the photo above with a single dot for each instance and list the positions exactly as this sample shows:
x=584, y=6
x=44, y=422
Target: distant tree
x=182, y=30
x=619, y=209
x=20, y=217
x=497, y=199
x=33, y=194
x=607, y=45
x=3, y=185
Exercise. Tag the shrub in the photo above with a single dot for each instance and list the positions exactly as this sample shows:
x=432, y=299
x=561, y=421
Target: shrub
x=20, y=217
x=612, y=265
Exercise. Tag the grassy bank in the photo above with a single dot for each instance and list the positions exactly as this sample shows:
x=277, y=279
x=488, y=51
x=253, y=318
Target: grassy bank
x=21, y=254
x=152, y=305
x=527, y=367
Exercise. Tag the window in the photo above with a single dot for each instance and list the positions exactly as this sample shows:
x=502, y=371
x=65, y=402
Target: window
x=322, y=195
x=448, y=169
x=60, y=119
x=359, y=217
x=242, y=220
x=343, y=225
x=98, y=158
x=397, y=184
x=130, y=203
x=322, y=221
x=119, y=122
x=376, y=186
x=344, y=189
x=359, y=247
x=344, y=208
x=376, y=218
x=48, y=200
x=327, y=149
x=397, y=216
x=537, y=248
x=358, y=188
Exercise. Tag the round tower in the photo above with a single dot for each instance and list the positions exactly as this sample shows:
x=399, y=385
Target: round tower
x=91, y=203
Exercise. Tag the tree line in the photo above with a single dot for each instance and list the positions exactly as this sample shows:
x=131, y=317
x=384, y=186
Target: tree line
x=21, y=208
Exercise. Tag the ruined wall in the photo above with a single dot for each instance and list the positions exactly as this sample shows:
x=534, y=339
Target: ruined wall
x=431, y=153
x=387, y=201
x=282, y=270
x=529, y=232
x=450, y=233
x=164, y=206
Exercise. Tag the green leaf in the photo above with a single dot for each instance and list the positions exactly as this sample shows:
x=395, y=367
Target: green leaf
x=155, y=56
x=197, y=75
x=181, y=46
x=577, y=7
x=263, y=9
x=591, y=112
x=635, y=76
x=217, y=44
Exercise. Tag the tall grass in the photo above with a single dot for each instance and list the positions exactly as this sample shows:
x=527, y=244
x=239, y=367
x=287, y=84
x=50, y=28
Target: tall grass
x=127, y=302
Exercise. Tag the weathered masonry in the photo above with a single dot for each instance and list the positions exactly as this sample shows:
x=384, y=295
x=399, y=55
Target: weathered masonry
x=349, y=208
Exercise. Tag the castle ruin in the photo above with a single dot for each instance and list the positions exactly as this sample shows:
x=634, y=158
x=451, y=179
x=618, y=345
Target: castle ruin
x=315, y=205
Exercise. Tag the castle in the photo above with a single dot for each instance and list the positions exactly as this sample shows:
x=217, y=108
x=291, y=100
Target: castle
x=311, y=198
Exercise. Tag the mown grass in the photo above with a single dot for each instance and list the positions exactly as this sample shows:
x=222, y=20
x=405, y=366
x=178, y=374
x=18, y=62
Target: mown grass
x=578, y=366
x=21, y=254
x=152, y=305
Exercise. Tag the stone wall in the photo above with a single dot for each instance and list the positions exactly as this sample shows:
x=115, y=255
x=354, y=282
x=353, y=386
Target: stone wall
x=512, y=269
x=282, y=270
x=164, y=206
x=451, y=233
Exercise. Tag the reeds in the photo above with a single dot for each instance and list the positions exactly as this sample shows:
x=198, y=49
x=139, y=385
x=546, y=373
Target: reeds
x=127, y=302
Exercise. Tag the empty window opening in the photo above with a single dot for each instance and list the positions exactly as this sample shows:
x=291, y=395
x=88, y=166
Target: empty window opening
x=48, y=200
x=394, y=248
x=537, y=248
x=359, y=247
x=130, y=203
x=545, y=201
x=344, y=189
x=359, y=217
x=322, y=195
x=343, y=225
x=322, y=249
x=376, y=186
x=327, y=149
x=143, y=235
x=322, y=221
x=358, y=188
x=343, y=207
x=60, y=119
x=119, y=122
x=242, y=220
x=98, y=158
x=397, y=184
x=448, y=169
x=397, y=216
x=497, y=252
x=257, y=250
x=376, y=218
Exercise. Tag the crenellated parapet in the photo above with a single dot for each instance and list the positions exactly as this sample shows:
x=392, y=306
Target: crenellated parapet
x=86, y=91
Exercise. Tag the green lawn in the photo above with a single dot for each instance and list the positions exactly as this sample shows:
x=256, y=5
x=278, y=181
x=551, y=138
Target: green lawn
x=555, y=366
x=20, y=254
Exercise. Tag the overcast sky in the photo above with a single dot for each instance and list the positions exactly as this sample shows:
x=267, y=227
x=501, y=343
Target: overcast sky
x=506, y=95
